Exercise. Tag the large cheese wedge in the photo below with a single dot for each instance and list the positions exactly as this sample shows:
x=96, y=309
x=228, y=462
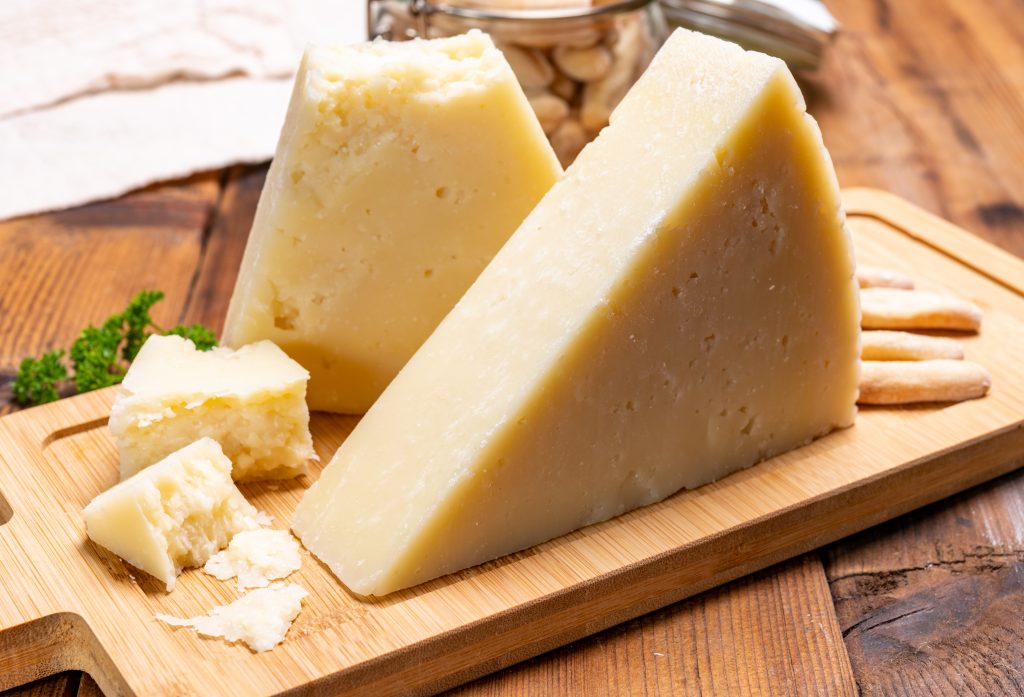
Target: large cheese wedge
x=682, y=304
x=401, y=169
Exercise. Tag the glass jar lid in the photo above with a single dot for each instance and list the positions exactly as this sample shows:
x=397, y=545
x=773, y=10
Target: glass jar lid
x=524, y=14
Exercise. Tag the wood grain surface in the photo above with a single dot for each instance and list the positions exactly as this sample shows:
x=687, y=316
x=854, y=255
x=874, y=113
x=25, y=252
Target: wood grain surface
x=920, y=97
x=779, y=620
x=69, y=269
x=931, y=603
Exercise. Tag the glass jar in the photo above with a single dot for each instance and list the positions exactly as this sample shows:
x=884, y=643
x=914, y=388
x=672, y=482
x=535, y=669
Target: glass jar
x=797, y=31
x=575, y=61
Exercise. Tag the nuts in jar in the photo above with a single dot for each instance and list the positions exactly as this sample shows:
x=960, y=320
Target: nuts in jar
x=575, y=59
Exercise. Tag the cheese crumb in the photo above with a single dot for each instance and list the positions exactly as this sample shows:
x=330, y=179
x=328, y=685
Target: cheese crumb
x=255, y=558
x=260, y=618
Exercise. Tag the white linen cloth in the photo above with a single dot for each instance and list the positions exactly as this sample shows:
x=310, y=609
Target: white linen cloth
x=99, y=97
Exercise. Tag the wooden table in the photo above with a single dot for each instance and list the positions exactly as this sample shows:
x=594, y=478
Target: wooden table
x=924, y=98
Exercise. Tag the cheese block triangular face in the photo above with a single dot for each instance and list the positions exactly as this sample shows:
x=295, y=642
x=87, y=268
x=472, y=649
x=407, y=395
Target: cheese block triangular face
x=402, y=168
x=681, y=305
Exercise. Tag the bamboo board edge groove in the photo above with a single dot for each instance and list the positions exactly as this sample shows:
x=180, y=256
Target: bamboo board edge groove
x=983, y=257
x=65, y=603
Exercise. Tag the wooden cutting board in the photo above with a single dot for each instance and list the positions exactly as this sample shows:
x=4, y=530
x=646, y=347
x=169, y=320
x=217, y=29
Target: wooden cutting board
x=67, y=604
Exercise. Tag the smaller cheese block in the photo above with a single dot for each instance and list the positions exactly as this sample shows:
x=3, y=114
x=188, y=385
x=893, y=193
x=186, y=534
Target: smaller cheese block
x=255, y=558
x=173, y=515
x=401, y=169
x=251, y=401
x=260, y=618
x=680, y=305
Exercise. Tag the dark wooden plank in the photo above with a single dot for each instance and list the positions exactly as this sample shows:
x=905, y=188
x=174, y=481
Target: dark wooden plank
x=923, y=98
x=222, y=249
x=86, y=688
x=64, y=684
x=772, y=633
x=931, y=603
x=69, y=269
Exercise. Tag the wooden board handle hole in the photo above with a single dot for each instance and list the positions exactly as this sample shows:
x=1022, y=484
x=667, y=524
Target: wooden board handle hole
x=5, y=510
x=52, y=644
x=72, y=430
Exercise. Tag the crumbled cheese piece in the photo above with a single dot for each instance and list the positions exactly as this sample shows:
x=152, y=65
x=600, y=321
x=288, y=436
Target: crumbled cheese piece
x=174, y=514
x=255, y=558
x=260, y=618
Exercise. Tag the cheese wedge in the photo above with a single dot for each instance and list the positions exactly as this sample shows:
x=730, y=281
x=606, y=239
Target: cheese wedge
x=681, y=305
x=251, y=401
x=174, y=514
x=401, y=169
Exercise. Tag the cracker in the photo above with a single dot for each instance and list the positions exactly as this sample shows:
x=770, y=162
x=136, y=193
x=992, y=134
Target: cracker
x=876, y=277
x=882, y=345
x=907, y=382
x=894, y=308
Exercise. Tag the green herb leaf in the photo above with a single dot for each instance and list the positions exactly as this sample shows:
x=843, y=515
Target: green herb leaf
x=203, y=338
x=94, y=356
x=136, y=321
x=100, y=355
x=36, y=382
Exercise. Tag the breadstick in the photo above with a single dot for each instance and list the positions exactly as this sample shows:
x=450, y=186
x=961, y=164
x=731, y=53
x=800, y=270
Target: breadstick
x=876, y=277
x=906, y=382
x=880, y=345
x=894, y=308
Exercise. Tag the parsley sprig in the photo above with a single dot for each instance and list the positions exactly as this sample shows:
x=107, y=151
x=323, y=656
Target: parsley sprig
x=100, y=355
x=38, y=377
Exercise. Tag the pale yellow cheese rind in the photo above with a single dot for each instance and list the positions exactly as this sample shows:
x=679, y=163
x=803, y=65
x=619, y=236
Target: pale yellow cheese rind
x=401, y=169
x=682, y=304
